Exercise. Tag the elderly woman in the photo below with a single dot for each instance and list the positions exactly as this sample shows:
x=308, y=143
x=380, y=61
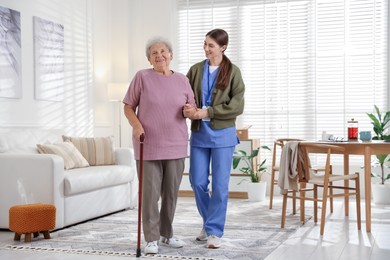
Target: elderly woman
x=153, y=107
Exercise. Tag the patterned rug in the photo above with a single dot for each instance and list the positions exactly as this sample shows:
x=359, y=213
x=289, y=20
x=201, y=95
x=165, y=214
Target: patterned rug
x=252, y=231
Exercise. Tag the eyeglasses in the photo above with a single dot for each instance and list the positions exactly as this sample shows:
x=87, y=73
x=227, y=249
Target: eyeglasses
x=337, y=139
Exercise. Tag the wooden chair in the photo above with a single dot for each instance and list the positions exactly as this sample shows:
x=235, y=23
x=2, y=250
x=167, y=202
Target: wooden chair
x=277, y=149
x=325, y=181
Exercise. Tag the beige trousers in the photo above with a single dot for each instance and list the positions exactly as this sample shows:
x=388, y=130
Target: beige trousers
x=160, y=178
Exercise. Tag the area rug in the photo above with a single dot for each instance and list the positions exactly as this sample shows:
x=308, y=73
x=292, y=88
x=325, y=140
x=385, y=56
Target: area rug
x=252, y=231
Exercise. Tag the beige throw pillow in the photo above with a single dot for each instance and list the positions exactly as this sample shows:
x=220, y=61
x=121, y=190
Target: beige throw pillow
x=97, y=150
x=72, y=157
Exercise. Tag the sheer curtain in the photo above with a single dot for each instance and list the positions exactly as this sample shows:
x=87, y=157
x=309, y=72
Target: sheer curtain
x=308, y=65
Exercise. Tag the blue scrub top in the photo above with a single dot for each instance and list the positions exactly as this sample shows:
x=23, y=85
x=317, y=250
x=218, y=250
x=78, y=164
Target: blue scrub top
x=207, y=137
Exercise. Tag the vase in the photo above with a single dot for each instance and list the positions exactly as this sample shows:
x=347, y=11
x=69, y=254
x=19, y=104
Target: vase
x=256, y=191
x=380, y=193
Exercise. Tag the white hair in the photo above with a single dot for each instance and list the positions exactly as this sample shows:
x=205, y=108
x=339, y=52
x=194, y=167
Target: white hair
x=155, y=40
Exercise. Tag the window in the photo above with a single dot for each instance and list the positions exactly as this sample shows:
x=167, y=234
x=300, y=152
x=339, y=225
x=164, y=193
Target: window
x=308, y=65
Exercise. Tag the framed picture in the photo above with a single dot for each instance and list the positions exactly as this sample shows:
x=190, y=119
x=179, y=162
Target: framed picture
x=10, y=54
x=49, y=60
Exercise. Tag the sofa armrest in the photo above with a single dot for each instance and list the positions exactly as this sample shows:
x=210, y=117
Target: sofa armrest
x=124, y=156
x=31, y=178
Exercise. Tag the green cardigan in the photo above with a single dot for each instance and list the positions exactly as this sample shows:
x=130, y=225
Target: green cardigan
x=227, y=104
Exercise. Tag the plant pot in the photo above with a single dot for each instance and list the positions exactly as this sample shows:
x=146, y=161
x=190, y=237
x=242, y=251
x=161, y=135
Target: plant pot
x=380, y=193
x=256, y=191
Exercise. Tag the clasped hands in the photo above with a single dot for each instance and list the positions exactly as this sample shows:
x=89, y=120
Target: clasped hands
x=194, y=113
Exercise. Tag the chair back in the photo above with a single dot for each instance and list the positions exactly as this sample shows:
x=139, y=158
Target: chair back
x=278, y=146
x=307, y=149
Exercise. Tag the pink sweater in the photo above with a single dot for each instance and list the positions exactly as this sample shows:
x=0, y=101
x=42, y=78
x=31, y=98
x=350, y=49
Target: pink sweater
x=159, y=101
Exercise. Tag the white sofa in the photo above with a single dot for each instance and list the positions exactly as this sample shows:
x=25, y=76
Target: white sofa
x=78, y=194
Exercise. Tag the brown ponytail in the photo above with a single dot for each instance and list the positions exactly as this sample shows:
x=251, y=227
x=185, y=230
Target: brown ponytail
x=224, y=73
x=225, y=69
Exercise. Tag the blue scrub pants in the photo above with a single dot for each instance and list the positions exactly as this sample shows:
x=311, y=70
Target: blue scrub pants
x=212, y=207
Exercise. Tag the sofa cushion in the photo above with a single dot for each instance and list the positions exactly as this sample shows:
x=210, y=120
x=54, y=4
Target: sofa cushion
x=97, y=150
x=96, y=177
x=72, y=157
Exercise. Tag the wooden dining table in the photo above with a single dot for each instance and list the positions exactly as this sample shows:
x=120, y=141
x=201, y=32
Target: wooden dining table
x=367, y=149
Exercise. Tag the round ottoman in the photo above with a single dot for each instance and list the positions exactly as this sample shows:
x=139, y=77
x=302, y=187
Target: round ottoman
x=31, y=219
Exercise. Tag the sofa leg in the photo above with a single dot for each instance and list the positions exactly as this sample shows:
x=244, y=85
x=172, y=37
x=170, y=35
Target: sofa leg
x=36, y=234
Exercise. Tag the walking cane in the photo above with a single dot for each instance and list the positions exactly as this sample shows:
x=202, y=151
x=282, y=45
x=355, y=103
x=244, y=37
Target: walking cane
x=142, y=137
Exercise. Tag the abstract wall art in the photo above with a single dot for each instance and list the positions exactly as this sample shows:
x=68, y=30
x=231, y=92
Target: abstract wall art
x=48, y=60
x=10, y=54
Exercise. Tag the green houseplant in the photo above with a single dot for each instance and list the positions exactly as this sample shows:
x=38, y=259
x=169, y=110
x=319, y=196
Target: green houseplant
x=380, y=124
x=380, y=190
x=261, y=168
x=256, y=188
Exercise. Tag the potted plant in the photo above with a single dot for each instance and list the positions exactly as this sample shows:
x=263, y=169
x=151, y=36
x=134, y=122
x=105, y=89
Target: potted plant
x=381, y=190
x=256, y=187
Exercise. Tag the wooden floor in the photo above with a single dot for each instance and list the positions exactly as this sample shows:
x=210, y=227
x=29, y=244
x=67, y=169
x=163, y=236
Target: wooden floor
x=341, y=240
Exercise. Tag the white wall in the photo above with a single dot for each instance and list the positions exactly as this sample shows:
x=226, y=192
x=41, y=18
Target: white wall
x=104, y=42
x=75, y=113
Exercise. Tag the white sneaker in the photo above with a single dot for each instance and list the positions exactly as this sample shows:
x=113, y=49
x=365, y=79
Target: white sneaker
x=213, y=242
x=151, y=248
x=202, y=236
x=172, y=242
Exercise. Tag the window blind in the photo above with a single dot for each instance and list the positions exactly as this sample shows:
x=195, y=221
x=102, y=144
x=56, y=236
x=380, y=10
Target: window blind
x=308, y=66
